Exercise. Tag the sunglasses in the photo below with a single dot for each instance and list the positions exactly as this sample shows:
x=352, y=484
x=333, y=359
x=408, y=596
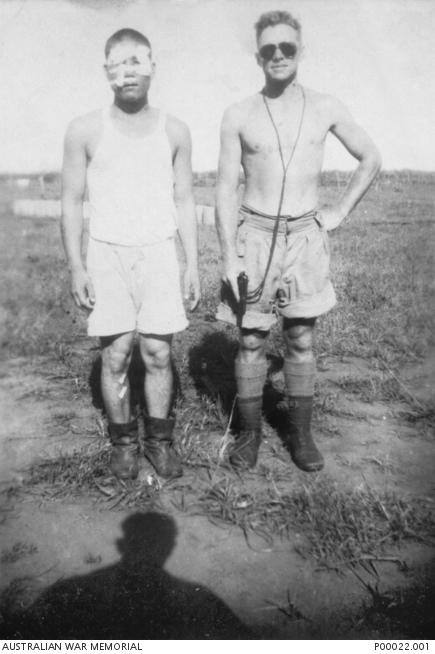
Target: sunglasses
x=288, y=50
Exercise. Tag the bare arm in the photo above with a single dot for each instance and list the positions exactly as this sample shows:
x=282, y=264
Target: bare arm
x=227, y=197
x=73, y=190
x=185, y=203
x=360, y=146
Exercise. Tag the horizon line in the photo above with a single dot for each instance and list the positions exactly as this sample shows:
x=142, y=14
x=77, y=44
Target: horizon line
x=38, y=173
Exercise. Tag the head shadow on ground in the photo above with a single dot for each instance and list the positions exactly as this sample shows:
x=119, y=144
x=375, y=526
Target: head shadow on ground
x=133, y=598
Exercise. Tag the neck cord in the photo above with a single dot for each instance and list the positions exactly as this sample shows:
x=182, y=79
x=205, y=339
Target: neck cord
x=254, y=296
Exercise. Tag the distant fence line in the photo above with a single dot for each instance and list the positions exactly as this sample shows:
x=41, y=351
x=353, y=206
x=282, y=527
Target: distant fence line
x=52, y=209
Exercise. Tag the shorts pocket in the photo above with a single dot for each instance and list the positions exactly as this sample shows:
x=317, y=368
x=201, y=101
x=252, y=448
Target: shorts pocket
x=325, y=236
x=311, y=264
x=324, y=232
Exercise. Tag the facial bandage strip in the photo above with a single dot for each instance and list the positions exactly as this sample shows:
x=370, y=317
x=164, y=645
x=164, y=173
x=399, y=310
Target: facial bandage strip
x=120, y=77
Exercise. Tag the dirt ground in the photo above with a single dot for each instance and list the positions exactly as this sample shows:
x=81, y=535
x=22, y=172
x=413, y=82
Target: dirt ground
x=77, y=551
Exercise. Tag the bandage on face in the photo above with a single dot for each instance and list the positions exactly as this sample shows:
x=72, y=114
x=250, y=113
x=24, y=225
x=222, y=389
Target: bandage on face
x=126, y=58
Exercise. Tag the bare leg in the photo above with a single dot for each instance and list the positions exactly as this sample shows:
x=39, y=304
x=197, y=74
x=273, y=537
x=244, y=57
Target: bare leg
x=159, y=382
x=299, y=373
x=252, y=346
x=298, y=339
x=116, y=355
x=159, y=379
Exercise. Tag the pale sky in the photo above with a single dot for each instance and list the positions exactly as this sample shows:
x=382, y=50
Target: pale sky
x=377, y=56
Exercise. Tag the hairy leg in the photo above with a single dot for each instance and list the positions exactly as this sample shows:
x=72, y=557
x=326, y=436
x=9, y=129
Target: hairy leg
x=159, y=380
x=159, y=385
x=252, y=346
x=251, y=364
x=116, y=356
x=298, y=339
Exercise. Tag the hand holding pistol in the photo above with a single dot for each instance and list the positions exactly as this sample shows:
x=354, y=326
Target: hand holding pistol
x=242, y=284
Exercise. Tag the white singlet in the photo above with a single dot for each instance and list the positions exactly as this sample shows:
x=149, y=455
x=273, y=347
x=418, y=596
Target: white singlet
x=130, y=186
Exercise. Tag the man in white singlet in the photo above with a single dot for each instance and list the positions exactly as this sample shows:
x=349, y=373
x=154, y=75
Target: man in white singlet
x=279, y=235
x=136, y=164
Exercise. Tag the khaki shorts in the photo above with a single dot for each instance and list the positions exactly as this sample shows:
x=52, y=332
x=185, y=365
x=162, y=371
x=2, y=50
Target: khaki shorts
x=136, y=288
x=299, y=269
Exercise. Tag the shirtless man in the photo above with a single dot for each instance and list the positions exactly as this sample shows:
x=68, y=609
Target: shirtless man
x=279, y=235
x=136, y=164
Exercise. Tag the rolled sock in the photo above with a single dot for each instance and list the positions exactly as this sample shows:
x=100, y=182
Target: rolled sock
x=250, y=378
x=299, y=378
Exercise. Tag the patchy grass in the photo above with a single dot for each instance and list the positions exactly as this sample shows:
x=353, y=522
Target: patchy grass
x=325, y=521
x=383, y=388
x=336, y=525
x=18, y=551
x=401, y=613
x=86, y=472
x=37, y=314
x=92, y=559
x=78, y=471
x=376, y=388
x=384, y=298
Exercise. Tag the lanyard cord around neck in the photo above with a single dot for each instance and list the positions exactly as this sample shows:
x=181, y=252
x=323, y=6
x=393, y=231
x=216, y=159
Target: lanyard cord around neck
x=254, y=296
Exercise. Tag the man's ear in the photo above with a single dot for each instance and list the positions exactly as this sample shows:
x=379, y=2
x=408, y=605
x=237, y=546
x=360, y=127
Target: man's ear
x=259, y=59
x=153, y=69
x=106, y=72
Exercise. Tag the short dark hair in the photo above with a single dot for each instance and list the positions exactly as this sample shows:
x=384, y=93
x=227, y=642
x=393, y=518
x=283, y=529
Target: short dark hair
x=272, y=18
x=126, y=34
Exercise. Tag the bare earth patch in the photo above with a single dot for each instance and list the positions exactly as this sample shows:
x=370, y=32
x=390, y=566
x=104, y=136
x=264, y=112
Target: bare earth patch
x=278, y=587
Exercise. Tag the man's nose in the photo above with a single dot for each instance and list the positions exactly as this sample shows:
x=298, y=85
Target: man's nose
x=277, y=54
x=129, y=68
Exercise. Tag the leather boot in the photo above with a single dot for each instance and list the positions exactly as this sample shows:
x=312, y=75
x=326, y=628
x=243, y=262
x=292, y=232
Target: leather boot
x=300, y=441
x=158, y=447
x=244, y=453
x=125, y=447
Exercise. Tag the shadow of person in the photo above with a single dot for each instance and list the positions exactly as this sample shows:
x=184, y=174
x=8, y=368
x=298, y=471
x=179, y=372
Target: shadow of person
x=275, y=407
x=211, y=365
x=133, y=599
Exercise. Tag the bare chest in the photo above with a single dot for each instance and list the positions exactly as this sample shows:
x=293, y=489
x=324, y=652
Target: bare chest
x=295, y=131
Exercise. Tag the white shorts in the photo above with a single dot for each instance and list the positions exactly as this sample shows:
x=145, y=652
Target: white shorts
x=136, y=288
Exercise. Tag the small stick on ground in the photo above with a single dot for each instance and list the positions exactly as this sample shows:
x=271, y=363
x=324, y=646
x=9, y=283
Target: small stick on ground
x=225, y=437
x=361, y=559
x=400, y=382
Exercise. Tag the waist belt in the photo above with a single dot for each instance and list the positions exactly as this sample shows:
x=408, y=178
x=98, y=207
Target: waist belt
x=286, y=224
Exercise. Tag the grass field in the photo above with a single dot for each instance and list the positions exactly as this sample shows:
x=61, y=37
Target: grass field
x=383, y=265
x=383, y=272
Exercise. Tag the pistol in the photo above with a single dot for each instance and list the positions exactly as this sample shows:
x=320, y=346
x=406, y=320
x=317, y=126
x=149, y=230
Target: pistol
x=242, y=285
